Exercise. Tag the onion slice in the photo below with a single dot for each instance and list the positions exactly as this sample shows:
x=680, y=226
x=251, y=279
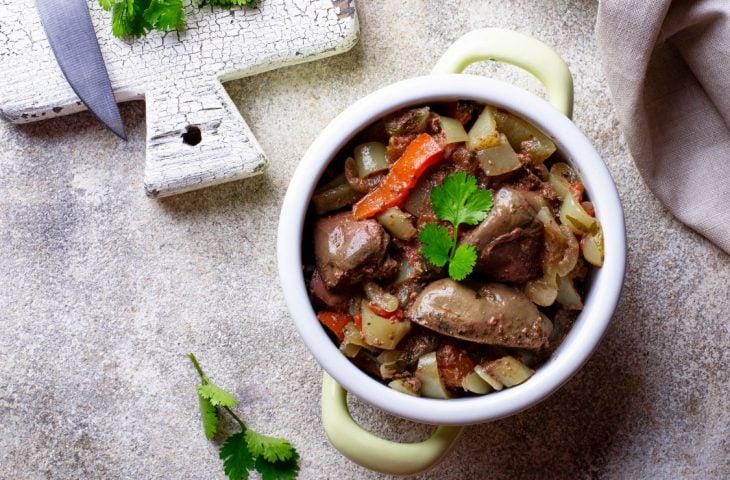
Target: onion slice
x=428, y=373
x=370, y=159
x=398, y=223
x=483, y=134
x=592, y=247
x=453, y=130
x=567, y=294
x=498, y=159
x=380, y=297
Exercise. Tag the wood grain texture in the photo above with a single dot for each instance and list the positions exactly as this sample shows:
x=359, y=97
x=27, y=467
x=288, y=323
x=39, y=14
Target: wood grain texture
x=179, y=75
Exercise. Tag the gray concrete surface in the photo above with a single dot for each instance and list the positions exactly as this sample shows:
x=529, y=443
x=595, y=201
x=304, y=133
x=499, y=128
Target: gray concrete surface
x=103, y=291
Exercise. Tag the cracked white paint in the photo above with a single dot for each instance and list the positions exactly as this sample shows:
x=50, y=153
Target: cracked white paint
x=179, y=75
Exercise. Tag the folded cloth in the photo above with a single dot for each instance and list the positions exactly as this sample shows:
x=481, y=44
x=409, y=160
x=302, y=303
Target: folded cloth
x=667, y=64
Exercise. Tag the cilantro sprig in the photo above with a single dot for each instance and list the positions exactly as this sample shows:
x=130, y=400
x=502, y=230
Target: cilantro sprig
x=458, y=201
x=135, y=18
x=246, y=450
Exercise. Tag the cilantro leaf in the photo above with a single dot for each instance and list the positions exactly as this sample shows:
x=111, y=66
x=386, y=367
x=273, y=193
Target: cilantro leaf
x=436, y=243
x=229, y=3
x=209, y=416
x=458, y=200
x=107, y=4
x=134, y=18
x=271, y=448
x=281, y=470
x=128, y=18
x=478, y=205
x=463, y=262
x=165, y=15
x=274, y=458
x=216, y=395
x=237, y=459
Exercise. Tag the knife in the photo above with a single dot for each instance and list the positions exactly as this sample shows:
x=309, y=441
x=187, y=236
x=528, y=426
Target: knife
x=74, y=44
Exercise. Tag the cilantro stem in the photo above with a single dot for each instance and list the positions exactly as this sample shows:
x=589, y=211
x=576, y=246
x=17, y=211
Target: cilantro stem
x=205, y=380
x=192, y=358
x=236, y=418
x=453, y=245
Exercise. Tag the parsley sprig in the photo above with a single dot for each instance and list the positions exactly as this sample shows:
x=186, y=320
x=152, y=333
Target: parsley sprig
x=458, y=201
x=246, y=450
x=135, y=18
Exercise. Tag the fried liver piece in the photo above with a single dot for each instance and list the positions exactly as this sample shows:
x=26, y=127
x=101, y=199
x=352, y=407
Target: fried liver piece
x=513, y=257
x=495, y=315
x=347, y=251
x=509, y=241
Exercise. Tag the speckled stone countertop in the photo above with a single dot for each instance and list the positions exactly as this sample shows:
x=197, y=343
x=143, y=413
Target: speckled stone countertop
x=104, y=291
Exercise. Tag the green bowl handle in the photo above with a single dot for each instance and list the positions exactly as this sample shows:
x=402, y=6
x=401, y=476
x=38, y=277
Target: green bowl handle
x=375, y=453
x=516, y=49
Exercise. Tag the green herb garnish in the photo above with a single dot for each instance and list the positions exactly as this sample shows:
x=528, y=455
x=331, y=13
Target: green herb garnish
x=134, y=18
x=246, y=450
x=458, y=201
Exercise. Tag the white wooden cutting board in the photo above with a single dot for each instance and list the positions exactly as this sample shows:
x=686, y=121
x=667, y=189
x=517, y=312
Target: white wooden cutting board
x=179, y=75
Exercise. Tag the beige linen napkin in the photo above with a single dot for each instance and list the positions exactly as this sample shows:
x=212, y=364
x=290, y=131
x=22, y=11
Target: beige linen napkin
x=667, y=64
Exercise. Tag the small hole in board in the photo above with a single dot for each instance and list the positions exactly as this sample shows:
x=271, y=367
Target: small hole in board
x=192, y=135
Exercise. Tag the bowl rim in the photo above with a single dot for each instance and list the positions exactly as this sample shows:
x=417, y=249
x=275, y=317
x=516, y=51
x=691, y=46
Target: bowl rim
x=600, y=301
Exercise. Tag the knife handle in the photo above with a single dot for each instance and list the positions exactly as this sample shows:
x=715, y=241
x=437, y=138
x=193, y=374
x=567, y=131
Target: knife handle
x=196, y=138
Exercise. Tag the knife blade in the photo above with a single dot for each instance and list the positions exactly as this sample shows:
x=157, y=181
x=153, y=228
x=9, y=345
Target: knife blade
x=74, y=44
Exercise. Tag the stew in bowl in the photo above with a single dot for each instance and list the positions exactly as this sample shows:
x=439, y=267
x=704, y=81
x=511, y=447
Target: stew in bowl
x=448, y=248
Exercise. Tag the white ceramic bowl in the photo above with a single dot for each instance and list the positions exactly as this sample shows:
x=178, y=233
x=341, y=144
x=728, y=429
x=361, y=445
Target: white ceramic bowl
x=605, y=284
x=600, y=300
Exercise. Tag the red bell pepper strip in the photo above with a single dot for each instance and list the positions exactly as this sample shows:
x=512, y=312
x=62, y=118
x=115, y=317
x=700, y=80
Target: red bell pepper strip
x=335, y=322
x=420, y=154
